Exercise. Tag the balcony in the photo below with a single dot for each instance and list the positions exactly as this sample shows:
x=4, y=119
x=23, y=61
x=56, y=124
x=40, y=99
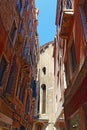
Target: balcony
x=67, y=23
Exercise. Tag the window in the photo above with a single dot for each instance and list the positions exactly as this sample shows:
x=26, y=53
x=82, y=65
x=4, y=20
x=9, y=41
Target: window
x=33, y=84
x=56, y=98
x=85, y=7
x=39, y=127
x=29, y=24
x=34, y=89
x=60, y=15
x=25, y=49
x=27, y=104
x=18, y=85
x=13, y=31
x=27, y=4
x=58, y=78
x=19, y=5
x=44, y=70
x=12, y=76
x=69, y=4
x=35, y=59
x=22, y=128
x=3, y=65
x=66, y=74
x=21, y=30
x=29, y=58
x=73, y=57
x=43, y=98
x=22, y=92
x=38, y=105
x=83, y=13
x=31, y=34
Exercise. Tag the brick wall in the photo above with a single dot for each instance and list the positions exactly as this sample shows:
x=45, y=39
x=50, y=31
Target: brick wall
x=13, y=51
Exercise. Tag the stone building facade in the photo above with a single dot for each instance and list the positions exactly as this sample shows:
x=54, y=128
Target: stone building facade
x=46, y=72
x=18, y=63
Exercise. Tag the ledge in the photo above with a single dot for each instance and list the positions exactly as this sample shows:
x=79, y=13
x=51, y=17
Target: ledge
x=67, y=22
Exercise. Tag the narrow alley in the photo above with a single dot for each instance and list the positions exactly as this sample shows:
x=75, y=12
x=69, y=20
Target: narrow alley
x=43, y=87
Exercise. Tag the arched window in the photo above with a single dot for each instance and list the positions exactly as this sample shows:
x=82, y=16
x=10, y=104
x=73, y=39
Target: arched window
x=44, y=70
x=43, y=98
x=39, y=127
x=22, y=128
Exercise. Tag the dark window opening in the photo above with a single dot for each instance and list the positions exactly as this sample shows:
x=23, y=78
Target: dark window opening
x=44, y=70
x=31, y=34
x=27, y=4
x=43, y=98
x=60, y=13
x=29, y=24
x=66, y=74
x=39, y=127
x=12, y=76
x=85, y=7
x=19, y=5
x=18, y=85
x=13, y=31
x=22, y=92
x=33, y=84
x=69, y=4
x=3, y=65
x=38, y=105
x=25, y=49
x=22, y=128
x=27, y=104
x=73, y=57
x=21, y=29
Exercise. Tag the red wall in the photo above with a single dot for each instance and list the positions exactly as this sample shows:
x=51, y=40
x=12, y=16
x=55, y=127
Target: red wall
x=78, y=99
x=80, y=46
x=2, y=39
x=78, y=33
